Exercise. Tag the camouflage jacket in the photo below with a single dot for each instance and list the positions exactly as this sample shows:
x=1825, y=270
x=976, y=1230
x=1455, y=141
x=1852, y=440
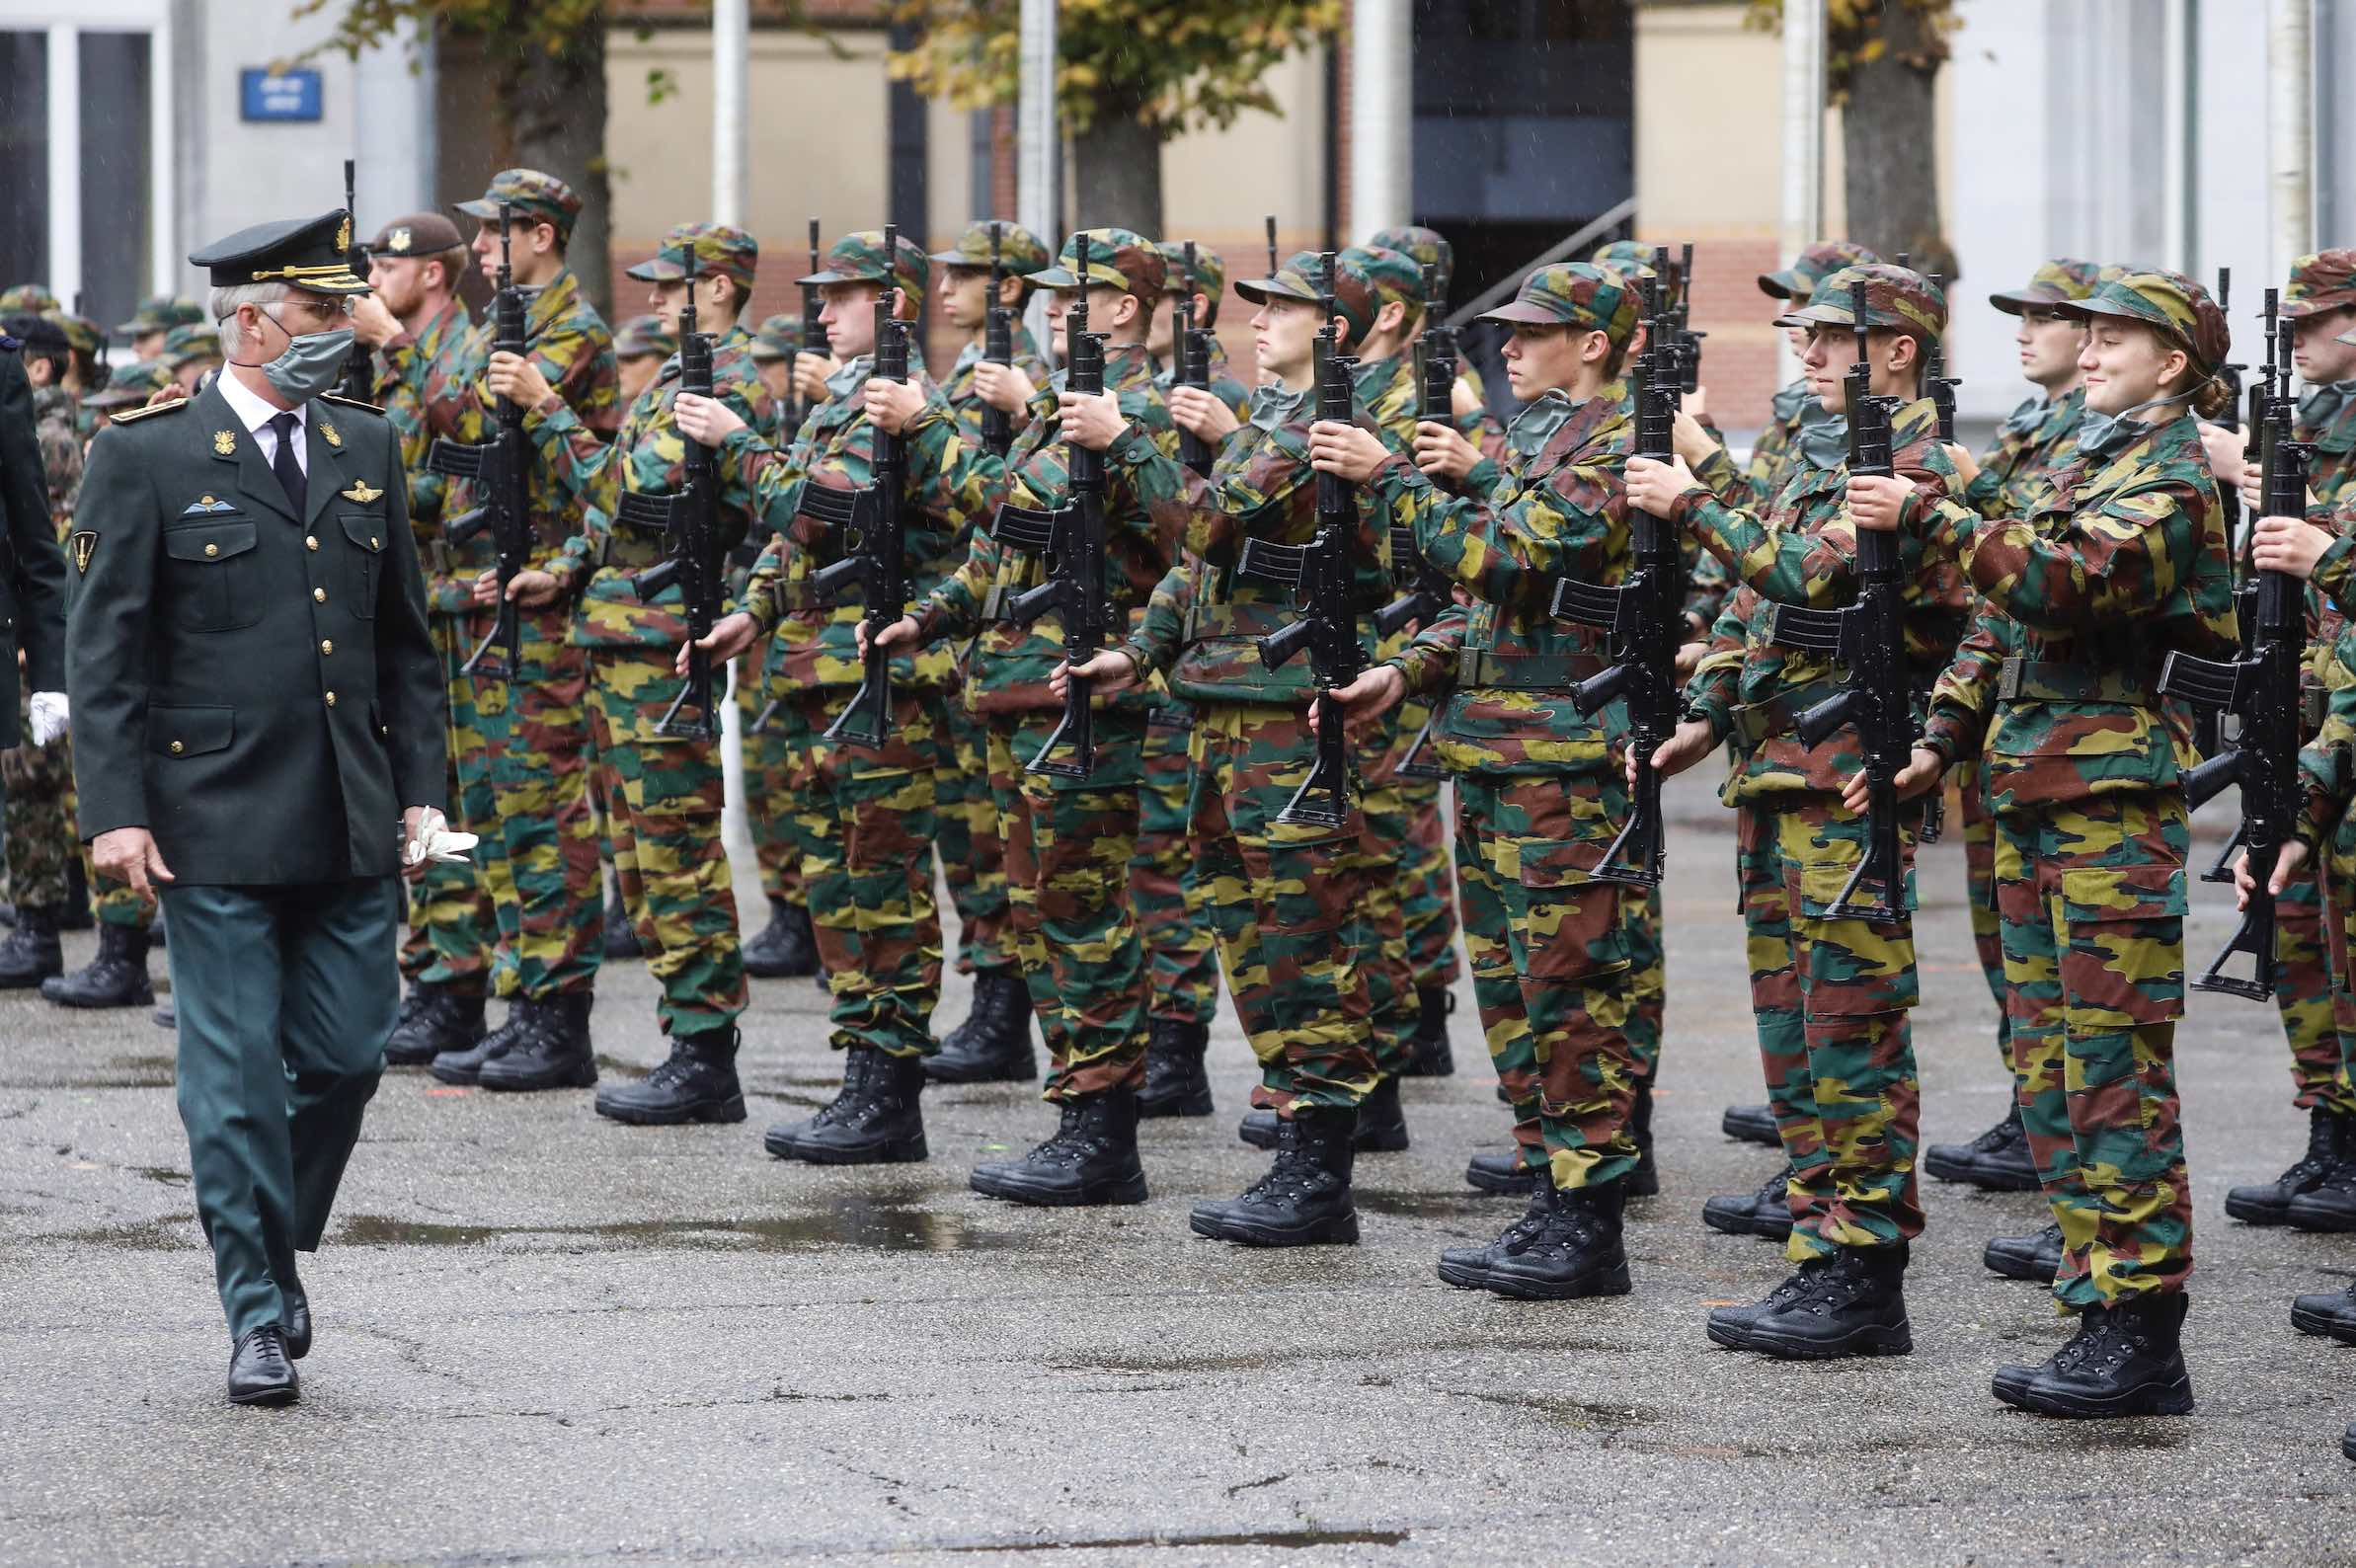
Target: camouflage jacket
x=2327, y=420
x=61, y=447
x=600, y=562
x=1801, y=549
x=1144, y=515
x=570, y=346
x=958, y=387
x=1208, y=616
x=1390, y=394
x=1557, y=510
x=2122, y=563
x=403, y=368
x=2036, y=439
x=1223, y=385
x=817, y=638
x=1787, y=412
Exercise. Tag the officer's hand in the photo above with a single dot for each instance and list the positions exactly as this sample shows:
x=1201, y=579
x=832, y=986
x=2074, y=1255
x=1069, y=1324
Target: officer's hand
x=528, y=589
x=170, y=392
x=1967, y=467
x=707, y=421
x=901, y=633
x=730, y=636
x=129, y=856
x=1692, y=742
x=2226, y=457
x=1461, y=399
x=517, y=378
x=1921, y=772
x=2289, y=544
x=1694, y=443
x=372, y=323
x=1364, y=700
x=1654, y=486
x=1876, y=503
x=417, y=824
x=1442, y=452
x=1111, y=671
x=894, y=404
x=1003, y=386
x=2287, y=865
x=1346, y=449
x=1197, y=413
x=1091, y=419
x=810, y=374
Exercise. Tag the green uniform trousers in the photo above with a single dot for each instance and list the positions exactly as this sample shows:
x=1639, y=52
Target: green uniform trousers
x=1173, y=912
x=768, y=776
x=966, y=837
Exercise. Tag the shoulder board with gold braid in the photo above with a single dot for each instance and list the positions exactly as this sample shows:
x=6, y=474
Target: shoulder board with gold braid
x=166, y=406
x=349, y=403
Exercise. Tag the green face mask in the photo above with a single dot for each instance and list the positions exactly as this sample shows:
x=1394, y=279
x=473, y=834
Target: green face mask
x=308, y=366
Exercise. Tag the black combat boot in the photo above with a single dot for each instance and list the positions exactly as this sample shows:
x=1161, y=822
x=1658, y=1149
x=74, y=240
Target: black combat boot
x=2126, y=1360
x=1576, y=1252
x=876, y=1119
x=1996, y=1162
x=1848, y=1302
x=434, y=1019
x=2330, y=1204
x=1091, y=1160
x=75, y=914
x=1304, y=1199
x=1431, y=1055
x=1752, y=1124
x=1764, y=1213
x=2329, y=1146
x=621, y=937
x=1646, y=1180
x=2035, y=1257
x=31, y=953
x=1507, y=1175
x=1382, y=1123
x=1467, y=1268
x=696, y=1082
x=116, y=977
x=465, y=1063
x=554, y=1053
x=1176, y=1083
x=993, y=1043
x=2331, y=1315
x=786, y=948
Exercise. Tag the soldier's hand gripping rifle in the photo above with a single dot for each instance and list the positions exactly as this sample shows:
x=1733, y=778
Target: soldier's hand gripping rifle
x=1868, y=637
x=1321, y=576
x=997, y=348
x=2262, y=689
x=498, y=469
x=1190, y=347
x=1644, y=614
x=689, y=520
x=1428, y=593
x=360, y=365
x=874, y=537
x=1070, y=539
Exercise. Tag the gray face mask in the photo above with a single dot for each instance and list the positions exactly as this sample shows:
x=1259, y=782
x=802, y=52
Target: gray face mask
x=309, y=365
x=2109, y=434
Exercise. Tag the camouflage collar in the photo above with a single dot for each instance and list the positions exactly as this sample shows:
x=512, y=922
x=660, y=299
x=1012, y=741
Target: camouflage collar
x=1275, y=405
x=1557, y=429
x=851, y=376
x=2324, y=415
x=551, y=301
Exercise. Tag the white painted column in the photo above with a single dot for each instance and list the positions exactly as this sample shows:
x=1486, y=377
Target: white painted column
x=1038, y=140
x=1803, y=144
x=732, y=49
x=1381, y=114
x=2290, y=130
x=65, y=160
x=163, y=227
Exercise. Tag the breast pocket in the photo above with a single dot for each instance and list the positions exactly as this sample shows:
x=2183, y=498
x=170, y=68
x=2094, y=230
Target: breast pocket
x=211, y=575
x=365, y=557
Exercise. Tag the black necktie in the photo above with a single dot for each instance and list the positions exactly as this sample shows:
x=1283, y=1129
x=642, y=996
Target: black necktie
x=289, y=472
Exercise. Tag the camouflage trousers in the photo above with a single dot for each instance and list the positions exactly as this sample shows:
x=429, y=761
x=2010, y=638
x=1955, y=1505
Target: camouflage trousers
x=2339, y=929
x=452, y=928
x=768, y=773
x=1399, y=906
x=1299, y=931
x=39, y=781
x=2303, y=998
x=1173, y=910
x=2092, y=897
x=966, y=834
x=1426, y=879
x=1559, y=996
x=665, y=794
x=1067, y=843
x=1977, y=828
x=864, y=838
x=1831, y=999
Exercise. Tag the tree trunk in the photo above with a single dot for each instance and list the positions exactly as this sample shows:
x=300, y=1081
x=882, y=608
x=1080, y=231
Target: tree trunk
x=1889, y=138
x=556, y=123
x=1117, y=172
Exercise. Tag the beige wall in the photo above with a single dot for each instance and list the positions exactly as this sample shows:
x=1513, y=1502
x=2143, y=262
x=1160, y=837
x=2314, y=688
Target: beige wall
x=1710, y=146
x=1218, y=185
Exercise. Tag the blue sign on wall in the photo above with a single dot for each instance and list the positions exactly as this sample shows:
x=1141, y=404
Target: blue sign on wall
x=291, y=95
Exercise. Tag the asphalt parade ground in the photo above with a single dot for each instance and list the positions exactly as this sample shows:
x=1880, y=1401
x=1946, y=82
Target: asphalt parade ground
x=545, y=1338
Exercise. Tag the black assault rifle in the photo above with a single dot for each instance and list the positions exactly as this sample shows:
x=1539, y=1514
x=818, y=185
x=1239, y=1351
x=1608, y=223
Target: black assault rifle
x=1429, y=594
x=1190, y=347
x=1686, y=341
x=997, y=348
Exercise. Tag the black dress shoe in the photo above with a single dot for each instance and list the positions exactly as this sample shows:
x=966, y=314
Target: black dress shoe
x=696, y=1082
x=554, y=1053
x=1752, y=1124
x=1304, y=1199
x=2126, y=1360
x=1467, y=1268
x=466, y=1064
x=1091, y=1160
x=1850, y=1302
x=1429, y=1054
x=1176, y=1082
x=434, y=1019
x=116, y=977
x=1996, y=1162
x=2330, y=1143
x=1505, y=1174
x=993, y=1043
x=2331, y=1314
x=297, y=1334
x=2035, y=1257
x=1764, y=1213
x=1575, y=1253
x=259, y=1372
x=876, y=1119
x=1382, y=1123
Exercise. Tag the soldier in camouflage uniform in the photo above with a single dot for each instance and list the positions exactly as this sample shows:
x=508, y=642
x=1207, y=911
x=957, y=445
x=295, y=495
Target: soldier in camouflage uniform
x=1539, y=794
x=664, y=789
x=538, y=855
x=2123, y=561
x=641, y=345
x=26, y=299
x=1069, y=841
x=1831, y=992
x=192, y=352
x=128, y=386
x=865, y=809
x=993, y=1043
x=154, y=320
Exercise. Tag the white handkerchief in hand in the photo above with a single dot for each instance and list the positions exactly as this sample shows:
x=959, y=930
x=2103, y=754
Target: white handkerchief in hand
x=437, y=841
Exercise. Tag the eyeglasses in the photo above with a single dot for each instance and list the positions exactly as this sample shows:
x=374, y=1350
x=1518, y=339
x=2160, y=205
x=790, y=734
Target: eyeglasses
x=325, y=310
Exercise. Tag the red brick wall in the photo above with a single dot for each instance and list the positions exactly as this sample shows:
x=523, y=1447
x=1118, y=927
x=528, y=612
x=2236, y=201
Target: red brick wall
x=1738, y=360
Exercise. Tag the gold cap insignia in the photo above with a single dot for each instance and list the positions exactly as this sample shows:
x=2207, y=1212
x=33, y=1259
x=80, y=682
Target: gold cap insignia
x=362, y=491
x=343, y=233
x=398, y=240
x=84, y=545
x=328, y=430
x=224, y=442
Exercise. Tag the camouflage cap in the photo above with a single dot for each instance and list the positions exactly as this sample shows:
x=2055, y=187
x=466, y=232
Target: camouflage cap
x=28, y=299
x=1898, y=298
x=1396, y=276
x=190, y=344
x=2325, y=281
x=2169, y=303
x=1816, y=264
x=641, y=336
x=2056, y=282
x=1354, y=298
x=1635, y=258
x=417, y=234
x=82, y=334
x=130, y=384
x=162, y=313
x=858, y=257
x=1210, y=273
x=1580, y=294
x=779, y=337
x=531, y=196
x=1426, y=247
x=38, y=333
x=1019, y=249
x=719, y=249
x=1117, y=258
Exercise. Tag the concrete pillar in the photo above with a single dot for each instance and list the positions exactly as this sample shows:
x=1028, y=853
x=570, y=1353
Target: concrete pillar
x=732, y=49
x=1803, y=142
x=1382, y=116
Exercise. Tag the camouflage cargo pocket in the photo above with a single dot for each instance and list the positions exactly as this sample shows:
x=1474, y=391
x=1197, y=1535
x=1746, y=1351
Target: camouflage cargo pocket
x=1850, y=967
x=2123, y=963
x=1573, y=923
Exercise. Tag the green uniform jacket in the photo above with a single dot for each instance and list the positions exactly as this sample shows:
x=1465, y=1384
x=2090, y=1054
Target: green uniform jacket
x=256, y=689
x=31, y=571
